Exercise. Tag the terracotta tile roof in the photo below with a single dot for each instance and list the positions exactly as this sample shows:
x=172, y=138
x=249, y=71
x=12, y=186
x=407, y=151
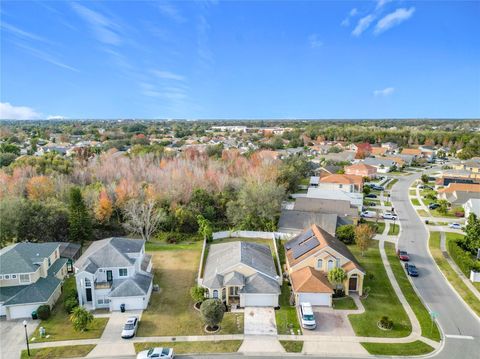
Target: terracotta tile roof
x=325, y=240
x=461, y=187
x=343, y=179
x=379, y=150
x=411, y=151
x=309, y=280
x=399, y=161
x=360, y=167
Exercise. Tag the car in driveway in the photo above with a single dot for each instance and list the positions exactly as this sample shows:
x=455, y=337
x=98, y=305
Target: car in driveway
x=433, y=206
x=389, y=215
x=307, y=317
x=403, y=255
x=368, y=214
x=158, y=352
x=411, y=269
x=130, y=328
x=371, y=195
x=376, y=187
x=455, y=226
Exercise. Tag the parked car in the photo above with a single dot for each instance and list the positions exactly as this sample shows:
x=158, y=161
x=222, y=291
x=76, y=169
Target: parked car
x=371, y=204
x=455, y=225
x=130, y=328
x=433, y=206
x=165, y=353
x=376, y=187
x=389, y=215
x=367, y=214
x=307, y=316
x=403, y=255
x=371, y=195
x=411, y=270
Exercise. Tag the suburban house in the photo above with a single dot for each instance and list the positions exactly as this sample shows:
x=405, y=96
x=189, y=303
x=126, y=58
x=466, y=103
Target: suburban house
x=241, y=274
x=472, y=206
x=382, y=165
x=31, y=275
x=309, y=258
x=362, y=150
x=347, y=183
x=399, y=162
x=415, y=152
x=459, y=193
x=344, y=156
x=390, y=146
x=355, y=198
x=472, y=165
x=326, y=170
x=112, y=272
x=379, y=151
x=361, y=169
x=457, y=176
x=339, y=207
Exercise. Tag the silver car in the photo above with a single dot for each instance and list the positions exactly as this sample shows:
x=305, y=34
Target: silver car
x=162, y=353
x=130, y=328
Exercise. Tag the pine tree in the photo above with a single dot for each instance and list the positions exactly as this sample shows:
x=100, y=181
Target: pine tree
x=80, y=225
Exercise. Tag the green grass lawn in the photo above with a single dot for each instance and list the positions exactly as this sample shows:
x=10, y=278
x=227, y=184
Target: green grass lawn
x=415, y=201
x=71, y=351
x=422, y=213
x=449, y=214
x=171, y=311
x=59, y=327
x=413, y=192
x=406, y=349
x=391, y=183
x=224, y=346
x=305, y=181
x=452, y=276
x=286, y=317
x=344, y=303
x=429, y=329
x=292, y=346
x=450, y=236
x=427, y=201
x=381, y=301
x=387, y=203
x=394, y=229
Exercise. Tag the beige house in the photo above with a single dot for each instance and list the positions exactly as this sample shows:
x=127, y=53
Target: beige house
x=309, y=258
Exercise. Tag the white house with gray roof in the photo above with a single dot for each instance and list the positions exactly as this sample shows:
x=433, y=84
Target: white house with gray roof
x=112, y=272
x=242, y=273
x=31, y=275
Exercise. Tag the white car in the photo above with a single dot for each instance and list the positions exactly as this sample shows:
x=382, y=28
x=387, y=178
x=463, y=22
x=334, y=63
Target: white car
x=166, y=353
x=130, y=328
x=389, y=215
x=307, y=316
x=455, y=226
x=367, y=214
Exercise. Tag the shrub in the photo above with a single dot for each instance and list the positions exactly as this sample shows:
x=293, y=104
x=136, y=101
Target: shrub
x=43, y=312
x=463, y=258
x=197, y=293
x=69, y=304
x=212, y=312
x=346, y=233
x=81, y=318
x=385, y=323
x=70, y=293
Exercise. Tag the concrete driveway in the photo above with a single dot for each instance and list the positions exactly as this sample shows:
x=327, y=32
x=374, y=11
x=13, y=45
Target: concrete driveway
x=330, y=322
x=12, y=337
x=260, y=321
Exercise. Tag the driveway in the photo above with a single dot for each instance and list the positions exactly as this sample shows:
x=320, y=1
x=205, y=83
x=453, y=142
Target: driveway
x=12, y=337
x=330, y=322
x=111, y=344
x=260, y=321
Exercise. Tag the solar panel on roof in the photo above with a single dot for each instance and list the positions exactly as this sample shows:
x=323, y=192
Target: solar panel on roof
x=299, y=239
x=305, y=247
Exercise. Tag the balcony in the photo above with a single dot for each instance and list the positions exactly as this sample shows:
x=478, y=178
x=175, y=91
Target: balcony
x=103, y=285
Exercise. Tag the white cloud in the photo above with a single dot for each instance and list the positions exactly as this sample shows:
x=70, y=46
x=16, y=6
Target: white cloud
x=167, y=75
x=384, y=92
x=171, y=11
x=345, y=22
x=46, y=57
x=393, y=19
x=381, y=3
x=314, y=41
x=10, y=112
x=22, y=33
x=363, y=24
x=56, y=117
x=353, y=12
x=104, y=29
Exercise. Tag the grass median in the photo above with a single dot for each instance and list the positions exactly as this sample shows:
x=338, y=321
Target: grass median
x=224, y=346
x=292, y=346
x=404, y=349
x=71, y=351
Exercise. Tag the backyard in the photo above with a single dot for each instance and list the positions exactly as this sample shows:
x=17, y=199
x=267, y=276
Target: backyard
x=171, y=309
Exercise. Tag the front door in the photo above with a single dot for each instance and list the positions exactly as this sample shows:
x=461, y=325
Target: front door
x=88, y=293
x=352, y=283
x=109, y=276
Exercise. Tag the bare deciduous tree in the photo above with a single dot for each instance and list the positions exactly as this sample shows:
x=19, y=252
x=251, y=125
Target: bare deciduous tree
x=142, y=216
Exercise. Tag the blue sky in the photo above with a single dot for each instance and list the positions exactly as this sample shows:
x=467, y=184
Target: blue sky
x=240, y=59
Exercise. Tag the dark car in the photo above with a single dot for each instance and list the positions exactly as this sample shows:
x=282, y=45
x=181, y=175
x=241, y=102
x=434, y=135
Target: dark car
x=371, y=204
x=377, y=188
x=411, y=270
x=403, y=256
x=433, y=206
x=371, y=195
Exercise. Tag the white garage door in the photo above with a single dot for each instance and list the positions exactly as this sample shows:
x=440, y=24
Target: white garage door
x=2, y=310
x=259, y=300
x=22, y=311
x=131, y=303
x=323, y=299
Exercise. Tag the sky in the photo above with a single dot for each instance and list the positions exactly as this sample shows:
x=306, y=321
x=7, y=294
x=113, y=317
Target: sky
x=239, y=59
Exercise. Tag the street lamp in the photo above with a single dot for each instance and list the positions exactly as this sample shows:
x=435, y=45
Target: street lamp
x=26, y=336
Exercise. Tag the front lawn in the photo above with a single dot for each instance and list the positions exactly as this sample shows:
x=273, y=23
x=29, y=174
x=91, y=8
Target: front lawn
x=413, y=192
x=394, y=229
x=415, y=201
x=292, y=346
x=286, y=317
x=381, y=301
x=378, y=227
x=405, y=349
x=344, y=303
x=171, y=311
x=449, y=214
x=71, y=351
x=58, y=326
x=452, y=276
x=224, y=346
x=429, y=329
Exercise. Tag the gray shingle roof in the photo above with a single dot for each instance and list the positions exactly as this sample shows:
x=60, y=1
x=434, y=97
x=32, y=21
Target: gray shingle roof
x=137, y=285
x=233, y=278
x=8, y=292
x=24, y=257
x=258, y=283
x=291, y=220
x=38, y=292
x=56, y=266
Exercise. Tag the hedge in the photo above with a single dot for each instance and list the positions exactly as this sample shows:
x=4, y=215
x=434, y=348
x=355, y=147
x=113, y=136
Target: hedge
x=462, y=258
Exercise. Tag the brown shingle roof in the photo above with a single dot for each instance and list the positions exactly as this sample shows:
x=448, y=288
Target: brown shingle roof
x=309, y=280
x=411, y=151
x=360, y=166
x=343, y=179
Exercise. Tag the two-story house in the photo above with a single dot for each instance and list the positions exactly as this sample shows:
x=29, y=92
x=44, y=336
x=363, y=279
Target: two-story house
x=112, y=272
x=31, y=275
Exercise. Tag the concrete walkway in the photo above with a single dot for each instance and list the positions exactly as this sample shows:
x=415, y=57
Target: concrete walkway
x=443, y=247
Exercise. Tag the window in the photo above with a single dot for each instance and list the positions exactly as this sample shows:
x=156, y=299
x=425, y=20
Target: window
x=49, y=262
x=122, y=272
x=1, y=276
x=14, y=276
x=7, y=276
x=320, y=263
x=215, y=294
x=338, y=262
x=340, y=186
x=100, y=301
x=24, y=278
x=87, y=282
x=330, y=265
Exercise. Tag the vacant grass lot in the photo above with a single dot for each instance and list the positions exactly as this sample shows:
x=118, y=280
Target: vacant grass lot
x=171, y=310
x=224, y=346
x=292, y=346
x=429, y=329
x=405, y=349
x=71, y=351
x=59, y=327
x=452, y=276
x=381, y=301
x=344, y=303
